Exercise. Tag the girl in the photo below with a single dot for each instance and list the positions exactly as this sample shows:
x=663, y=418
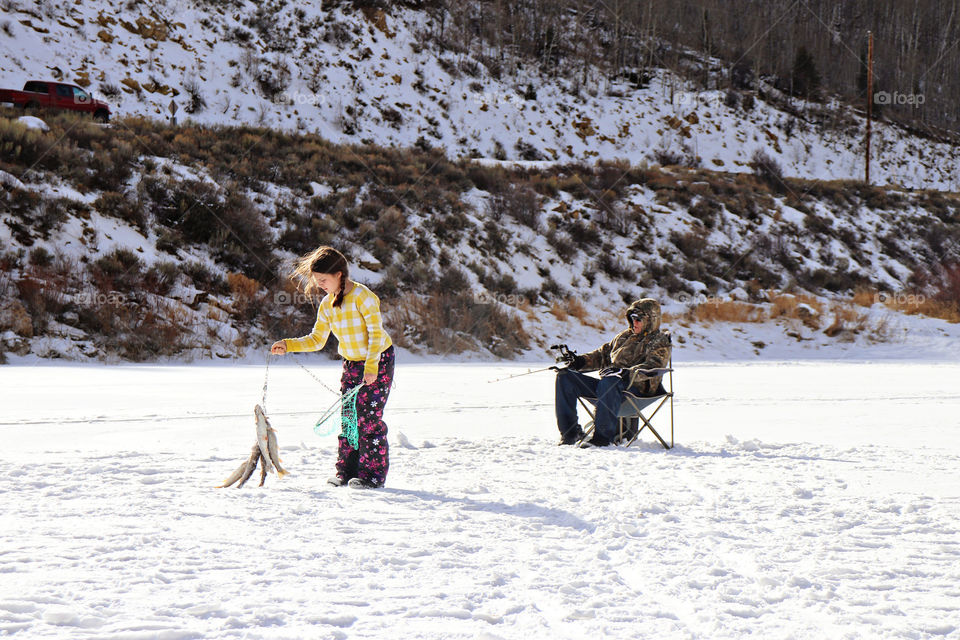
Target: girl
x=352, y=312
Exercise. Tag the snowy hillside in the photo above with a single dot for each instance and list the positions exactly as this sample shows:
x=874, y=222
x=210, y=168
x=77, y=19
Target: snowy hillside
x=368, y=76
x=141, y=240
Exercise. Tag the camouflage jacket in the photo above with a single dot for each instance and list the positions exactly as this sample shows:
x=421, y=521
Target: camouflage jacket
x=630, y=352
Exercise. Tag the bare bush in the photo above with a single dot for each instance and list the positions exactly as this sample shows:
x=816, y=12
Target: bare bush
x=520, y=203
x=197, y=102
x=767, y=169
x=449, y=323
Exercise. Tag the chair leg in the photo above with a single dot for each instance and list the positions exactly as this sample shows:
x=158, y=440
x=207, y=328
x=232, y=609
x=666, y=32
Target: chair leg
x=671, y=411
x=647, y=425
x=587, y=432
x=589, y=427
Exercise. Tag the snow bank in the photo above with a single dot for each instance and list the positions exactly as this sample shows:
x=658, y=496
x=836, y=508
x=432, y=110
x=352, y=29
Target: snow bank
x=32, y=122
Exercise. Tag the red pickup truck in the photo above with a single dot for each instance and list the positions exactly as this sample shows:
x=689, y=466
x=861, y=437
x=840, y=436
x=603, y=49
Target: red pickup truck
x=55, y=95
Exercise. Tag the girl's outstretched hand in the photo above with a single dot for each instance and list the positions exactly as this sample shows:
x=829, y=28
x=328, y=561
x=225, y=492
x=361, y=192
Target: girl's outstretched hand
x=369, y=378
x=279, y=348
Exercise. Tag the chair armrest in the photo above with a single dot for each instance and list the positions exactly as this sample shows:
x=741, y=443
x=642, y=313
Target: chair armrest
x=646, y=374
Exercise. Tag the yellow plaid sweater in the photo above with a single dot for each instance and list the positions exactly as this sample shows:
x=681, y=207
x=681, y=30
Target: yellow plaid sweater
x=357, y=323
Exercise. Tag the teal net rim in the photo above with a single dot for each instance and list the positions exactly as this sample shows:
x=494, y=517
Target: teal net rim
x=345, y=408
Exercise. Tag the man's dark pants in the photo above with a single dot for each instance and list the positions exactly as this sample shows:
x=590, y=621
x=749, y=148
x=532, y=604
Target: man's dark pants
x=608, y=391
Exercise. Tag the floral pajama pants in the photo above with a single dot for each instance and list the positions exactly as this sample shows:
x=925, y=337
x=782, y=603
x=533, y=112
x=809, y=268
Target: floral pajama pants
x=370, y=460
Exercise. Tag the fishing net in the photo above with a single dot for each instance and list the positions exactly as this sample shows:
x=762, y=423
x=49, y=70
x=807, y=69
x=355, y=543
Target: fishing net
x=342, y=417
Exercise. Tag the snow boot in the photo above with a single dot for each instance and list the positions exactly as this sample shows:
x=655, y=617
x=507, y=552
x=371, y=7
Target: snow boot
x=357, y=483
x=595, y=441
x=573, y=436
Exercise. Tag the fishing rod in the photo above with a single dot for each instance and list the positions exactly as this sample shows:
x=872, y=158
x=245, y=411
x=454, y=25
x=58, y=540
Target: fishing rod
x=566, y=356
x=517, y=375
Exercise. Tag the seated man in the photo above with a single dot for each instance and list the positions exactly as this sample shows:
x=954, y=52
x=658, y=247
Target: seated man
x=642, y=346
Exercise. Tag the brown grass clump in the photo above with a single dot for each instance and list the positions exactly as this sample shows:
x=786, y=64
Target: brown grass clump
x=571, y=307
x=785, y=305
x=864, y=297
x=558, y=310
x=846, y=319
x=911, y=303
x=576, y=309
x=916, y=304
x=937, y=293
x=725, y=311
x=244, y=291
x=527, y=308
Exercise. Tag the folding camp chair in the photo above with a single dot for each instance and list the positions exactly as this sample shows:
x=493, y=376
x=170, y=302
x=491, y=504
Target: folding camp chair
x=632, y=407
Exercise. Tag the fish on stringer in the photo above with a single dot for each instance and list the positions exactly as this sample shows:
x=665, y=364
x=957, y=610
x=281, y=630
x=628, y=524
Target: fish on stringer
x=265, y=452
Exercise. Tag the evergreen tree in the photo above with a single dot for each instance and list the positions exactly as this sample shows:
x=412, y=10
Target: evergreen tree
x=806, y=79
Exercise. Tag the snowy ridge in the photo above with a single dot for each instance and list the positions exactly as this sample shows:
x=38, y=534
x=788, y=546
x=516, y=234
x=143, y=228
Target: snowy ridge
x=356, y=76
x=858, y=240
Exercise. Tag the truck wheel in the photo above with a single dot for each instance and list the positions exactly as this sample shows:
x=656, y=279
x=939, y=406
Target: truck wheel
x=31, y=106
x=101, y=115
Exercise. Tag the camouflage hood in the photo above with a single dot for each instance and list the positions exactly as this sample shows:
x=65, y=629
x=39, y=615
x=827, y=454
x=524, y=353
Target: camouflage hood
x=632, y=352
x=649, y=310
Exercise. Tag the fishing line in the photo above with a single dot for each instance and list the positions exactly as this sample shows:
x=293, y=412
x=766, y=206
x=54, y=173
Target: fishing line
x=341, y=415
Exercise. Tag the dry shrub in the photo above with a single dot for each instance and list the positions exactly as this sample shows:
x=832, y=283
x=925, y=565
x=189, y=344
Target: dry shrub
x=692, y=243
x=574, y=184
x=142, y=332
x=864, y=297
x=449, y=323
x=667, y=318
x=767, y=169
x=847, y=321
x=391, y=223
x=124, y=207
x=119, y=270
x=561, y=243
x=110, y=166
x=725, y=311
x=576, y=309
x=558, y=310
x=938, y=292
x=14, y=317
x=917, y=304
x=788, y=305
x=244, y=291
x=526, y=308
x=41, y=297
x=520, y=203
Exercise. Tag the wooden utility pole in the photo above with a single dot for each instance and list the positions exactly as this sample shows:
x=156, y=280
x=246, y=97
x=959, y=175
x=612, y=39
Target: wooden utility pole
x=869, y=100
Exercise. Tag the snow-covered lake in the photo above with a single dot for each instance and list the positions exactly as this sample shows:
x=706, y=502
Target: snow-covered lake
x=803, y=500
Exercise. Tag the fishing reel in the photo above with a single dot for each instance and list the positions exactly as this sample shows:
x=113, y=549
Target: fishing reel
x=566, y=355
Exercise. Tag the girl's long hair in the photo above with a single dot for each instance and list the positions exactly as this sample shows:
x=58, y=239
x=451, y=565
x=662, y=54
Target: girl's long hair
x=322, y=260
